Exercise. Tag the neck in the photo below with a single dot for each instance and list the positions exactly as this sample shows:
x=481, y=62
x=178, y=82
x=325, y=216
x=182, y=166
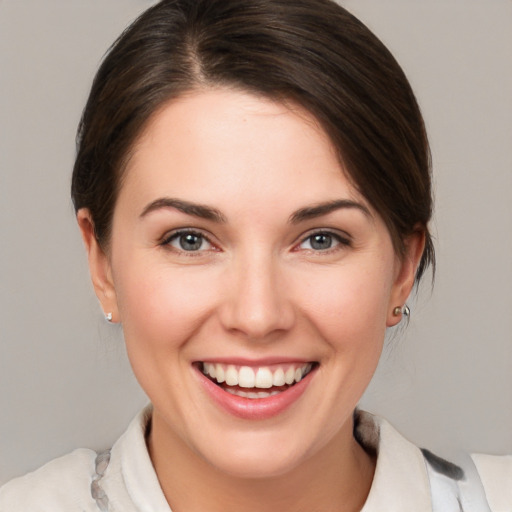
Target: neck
x=336, y=478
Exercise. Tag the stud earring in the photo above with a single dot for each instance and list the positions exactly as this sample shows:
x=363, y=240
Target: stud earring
x=402, y=311
x=108, y=317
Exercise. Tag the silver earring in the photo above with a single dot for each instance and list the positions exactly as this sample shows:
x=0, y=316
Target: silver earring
x=108, y=317
x=402, y=311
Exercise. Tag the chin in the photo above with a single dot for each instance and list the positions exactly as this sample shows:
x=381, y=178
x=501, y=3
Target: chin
x=258, y=454
x=255, y=464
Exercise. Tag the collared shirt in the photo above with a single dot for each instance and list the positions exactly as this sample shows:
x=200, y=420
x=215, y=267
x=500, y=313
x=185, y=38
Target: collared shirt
x=123, y=479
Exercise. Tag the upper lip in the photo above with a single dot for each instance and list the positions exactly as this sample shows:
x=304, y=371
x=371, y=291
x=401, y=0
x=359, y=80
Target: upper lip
x=255, y=363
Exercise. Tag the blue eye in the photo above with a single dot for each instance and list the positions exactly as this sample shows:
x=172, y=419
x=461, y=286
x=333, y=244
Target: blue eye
x=322, y=241
x=188, y=241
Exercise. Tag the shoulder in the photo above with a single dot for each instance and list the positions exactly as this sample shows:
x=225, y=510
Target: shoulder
x=121, y=479
x=62, y=485
x=496, y=475
x=410, y=478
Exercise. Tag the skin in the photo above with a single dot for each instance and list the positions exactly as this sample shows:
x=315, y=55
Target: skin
x=256, y=288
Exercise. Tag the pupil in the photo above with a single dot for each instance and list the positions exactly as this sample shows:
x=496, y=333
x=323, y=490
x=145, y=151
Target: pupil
x=321, y=242
x=190, y=242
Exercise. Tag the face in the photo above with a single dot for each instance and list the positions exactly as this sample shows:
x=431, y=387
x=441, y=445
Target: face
x=240, y=249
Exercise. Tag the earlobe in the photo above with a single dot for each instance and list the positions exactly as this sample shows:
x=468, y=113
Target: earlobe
x=405, y=276
x=99, y=266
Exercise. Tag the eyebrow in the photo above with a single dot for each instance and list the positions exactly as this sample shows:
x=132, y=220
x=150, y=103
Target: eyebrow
x=195, y=209
x=210, y=213
x=312, y=212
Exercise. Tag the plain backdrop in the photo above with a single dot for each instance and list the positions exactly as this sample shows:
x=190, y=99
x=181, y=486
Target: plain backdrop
x=445, y=381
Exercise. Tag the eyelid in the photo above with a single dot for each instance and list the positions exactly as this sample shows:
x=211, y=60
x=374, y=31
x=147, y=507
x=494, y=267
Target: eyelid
x=340, y=236
x=165, y=241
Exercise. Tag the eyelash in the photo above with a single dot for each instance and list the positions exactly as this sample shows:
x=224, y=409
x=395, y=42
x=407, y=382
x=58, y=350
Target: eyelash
x=340, y=241
x=176, y=235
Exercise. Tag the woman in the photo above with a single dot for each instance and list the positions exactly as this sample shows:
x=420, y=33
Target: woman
x=252, y=186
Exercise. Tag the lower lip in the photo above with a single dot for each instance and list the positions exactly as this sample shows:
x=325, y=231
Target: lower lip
x=255, y=408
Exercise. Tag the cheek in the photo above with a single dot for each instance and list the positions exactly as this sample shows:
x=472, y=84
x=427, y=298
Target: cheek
x=350, y=304
x=160, y=307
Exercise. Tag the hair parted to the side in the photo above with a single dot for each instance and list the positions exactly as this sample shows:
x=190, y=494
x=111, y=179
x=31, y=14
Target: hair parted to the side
x=309, y=52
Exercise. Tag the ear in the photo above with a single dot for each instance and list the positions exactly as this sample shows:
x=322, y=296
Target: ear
x=405, y=275
x=99, y=265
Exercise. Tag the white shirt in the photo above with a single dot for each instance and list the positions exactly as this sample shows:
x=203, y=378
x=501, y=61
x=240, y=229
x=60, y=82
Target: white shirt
x=124, y=480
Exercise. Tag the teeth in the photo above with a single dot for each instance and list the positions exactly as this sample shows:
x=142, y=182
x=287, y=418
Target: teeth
x=246, y=377
x=231, y=376
x=278, y=377
x=289, y=376
x=264, y=378
x=221, y=376
x=251, y=394
x=260, y=378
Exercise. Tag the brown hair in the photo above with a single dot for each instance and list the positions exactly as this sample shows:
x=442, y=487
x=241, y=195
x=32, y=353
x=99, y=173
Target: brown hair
x=311, y=52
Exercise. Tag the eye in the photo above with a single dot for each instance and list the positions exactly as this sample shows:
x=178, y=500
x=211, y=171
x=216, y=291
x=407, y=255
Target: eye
x=322, y=241
x=188, y=241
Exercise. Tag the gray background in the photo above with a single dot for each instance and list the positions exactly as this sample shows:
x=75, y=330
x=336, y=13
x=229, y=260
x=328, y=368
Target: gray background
x=65, y=382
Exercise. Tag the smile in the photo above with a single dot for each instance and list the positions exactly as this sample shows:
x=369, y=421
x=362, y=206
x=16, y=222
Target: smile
x=248, y=382
x=253, y=391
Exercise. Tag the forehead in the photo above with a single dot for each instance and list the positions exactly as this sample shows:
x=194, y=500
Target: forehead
x=219, y=143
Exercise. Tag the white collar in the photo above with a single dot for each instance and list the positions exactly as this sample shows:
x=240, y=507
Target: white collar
x=401, y=481
x=400, y=484
x=139, y=490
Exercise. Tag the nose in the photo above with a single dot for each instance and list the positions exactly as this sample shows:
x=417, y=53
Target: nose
x=257, y=305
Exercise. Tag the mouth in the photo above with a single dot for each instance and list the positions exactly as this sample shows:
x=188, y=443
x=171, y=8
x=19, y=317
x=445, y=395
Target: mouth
x=256, y=382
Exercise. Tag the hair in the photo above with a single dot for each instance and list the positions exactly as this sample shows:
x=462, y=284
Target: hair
x=310, y=52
